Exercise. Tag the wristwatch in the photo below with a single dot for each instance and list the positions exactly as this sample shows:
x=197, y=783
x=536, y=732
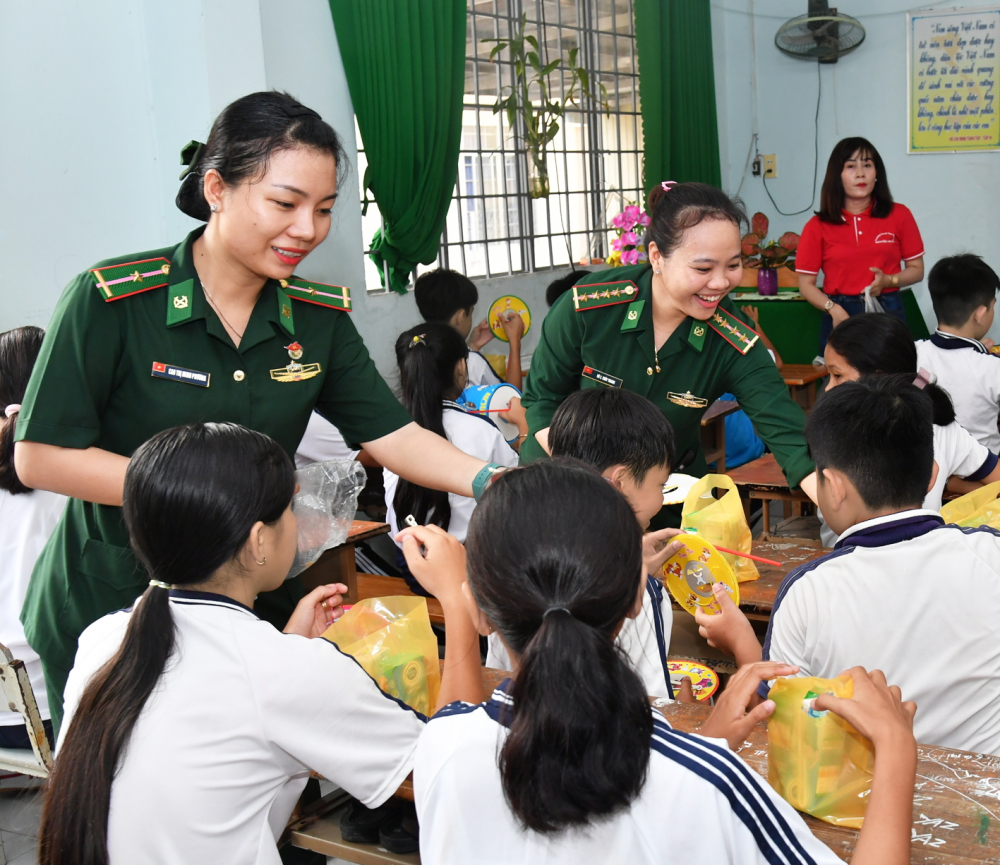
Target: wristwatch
x=895, y=280
x=828, y=305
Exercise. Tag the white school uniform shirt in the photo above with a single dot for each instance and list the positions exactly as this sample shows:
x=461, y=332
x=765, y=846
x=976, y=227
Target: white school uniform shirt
x=957, y=453
x=473, y=435
x=644, y=640
x=480, y=371
x=692, y=781
x=971, y=375
x=322, y=441
x=26, y=522
x=918, y=600
x=224, y=745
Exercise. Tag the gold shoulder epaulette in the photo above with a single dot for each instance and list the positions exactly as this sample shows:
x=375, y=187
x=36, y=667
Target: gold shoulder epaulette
x=603, y=294
x=334, y=296
x=739, y=335
x=121, y=280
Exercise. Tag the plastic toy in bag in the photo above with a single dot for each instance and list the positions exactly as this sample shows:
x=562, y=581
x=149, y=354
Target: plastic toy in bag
x=817, y=761
x=324, y=507
x=391, y=638
x=720, y=521
x=979, y=508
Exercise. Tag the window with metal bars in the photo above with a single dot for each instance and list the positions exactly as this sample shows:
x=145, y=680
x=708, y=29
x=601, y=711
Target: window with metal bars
x=494, y=228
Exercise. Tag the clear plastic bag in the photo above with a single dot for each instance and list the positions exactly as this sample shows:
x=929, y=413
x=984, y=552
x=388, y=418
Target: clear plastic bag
x=817, y=761
x=391, y=638
x=324, y=507
x=721, y=522
x=979, y=508
x=872, y=304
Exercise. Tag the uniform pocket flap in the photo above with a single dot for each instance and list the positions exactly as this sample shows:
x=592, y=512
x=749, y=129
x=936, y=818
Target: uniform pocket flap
x=115, y=566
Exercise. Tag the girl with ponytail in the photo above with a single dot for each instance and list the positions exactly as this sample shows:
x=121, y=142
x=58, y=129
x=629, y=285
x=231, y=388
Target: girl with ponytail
x=433, y=371
x=883, y=345
x=191, y=725
x=567, y=762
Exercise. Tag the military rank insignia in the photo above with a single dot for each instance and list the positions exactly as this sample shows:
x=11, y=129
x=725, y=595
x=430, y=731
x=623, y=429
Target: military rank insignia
x=122, y=280
x=603, y=294
x=333, y=296
x=732, y=330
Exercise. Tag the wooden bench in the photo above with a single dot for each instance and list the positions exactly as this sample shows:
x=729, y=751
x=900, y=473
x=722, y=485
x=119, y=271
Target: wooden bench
x=801, y=379
x=763, y=479
x=713, y=432
x=337, y=565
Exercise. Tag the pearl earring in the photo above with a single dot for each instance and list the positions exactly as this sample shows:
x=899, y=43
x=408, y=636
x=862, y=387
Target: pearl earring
x=263, y=560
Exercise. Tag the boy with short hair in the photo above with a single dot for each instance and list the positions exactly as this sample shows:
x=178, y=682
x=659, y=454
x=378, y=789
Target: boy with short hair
x=448, y=297
x=963, y=289
x=629, y=441
x=901, y=592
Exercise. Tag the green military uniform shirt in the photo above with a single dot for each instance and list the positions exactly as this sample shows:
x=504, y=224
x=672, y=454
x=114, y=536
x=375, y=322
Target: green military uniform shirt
x=600, y=334
x=123, y=360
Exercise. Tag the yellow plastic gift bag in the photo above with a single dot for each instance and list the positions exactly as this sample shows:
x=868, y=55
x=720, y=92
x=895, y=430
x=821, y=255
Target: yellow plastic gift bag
x=720, y=521
x=391, y=638
x=817, y=761
x=978, y=508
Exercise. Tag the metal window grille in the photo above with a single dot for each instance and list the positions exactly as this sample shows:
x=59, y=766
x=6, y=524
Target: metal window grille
x=493, y=227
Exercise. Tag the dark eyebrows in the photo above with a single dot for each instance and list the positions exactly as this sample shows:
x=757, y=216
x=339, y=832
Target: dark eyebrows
x=706, y=260
x=297, y=191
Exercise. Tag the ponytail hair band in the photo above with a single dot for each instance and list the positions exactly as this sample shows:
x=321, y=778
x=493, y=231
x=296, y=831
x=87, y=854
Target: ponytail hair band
x=190, y=156
x=159, y=584
x=12, y=409
x=418, y=340
x=556, y=609
x=922, y=380
x=667, y=185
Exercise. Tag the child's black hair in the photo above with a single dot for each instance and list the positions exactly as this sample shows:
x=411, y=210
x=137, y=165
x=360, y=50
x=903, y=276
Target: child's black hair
x=684, y=206
x=192, y=495
x=882, y=344
x=427, y=355
x=606, y=427
x=555, y=563
x=558, y=287
x=878, y=432
x=18, y=352
x=441, y=293
x=959, y=285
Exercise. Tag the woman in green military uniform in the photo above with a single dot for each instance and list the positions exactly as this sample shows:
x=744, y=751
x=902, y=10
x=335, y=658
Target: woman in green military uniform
x=667, y=330
x=216, y=328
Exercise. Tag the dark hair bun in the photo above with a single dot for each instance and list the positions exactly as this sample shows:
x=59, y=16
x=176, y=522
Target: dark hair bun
x=673, y=208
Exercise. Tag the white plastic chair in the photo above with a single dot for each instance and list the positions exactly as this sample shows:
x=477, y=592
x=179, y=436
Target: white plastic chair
x=19, y=697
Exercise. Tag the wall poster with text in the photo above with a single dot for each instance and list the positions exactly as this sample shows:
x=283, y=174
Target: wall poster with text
x=953, y=80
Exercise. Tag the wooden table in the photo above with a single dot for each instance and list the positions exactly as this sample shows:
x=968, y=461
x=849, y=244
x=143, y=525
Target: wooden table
x=757, y=597
x=956, y=803
x=763, y=479
x=337, y=565
x=377, y=586
x=801, y=379
x=713, y=432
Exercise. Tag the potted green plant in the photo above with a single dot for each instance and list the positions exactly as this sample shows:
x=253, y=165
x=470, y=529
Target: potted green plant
x=766, y=256
x=530, y=98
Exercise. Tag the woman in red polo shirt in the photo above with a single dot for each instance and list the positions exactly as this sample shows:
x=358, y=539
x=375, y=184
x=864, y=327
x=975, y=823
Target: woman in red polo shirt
x=858, y=238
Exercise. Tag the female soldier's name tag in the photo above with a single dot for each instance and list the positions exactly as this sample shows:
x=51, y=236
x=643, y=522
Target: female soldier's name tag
x=602, y=377
x=179, y=373
x=296, y=371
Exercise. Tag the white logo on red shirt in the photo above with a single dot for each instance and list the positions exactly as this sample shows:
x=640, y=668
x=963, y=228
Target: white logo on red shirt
x=885, y=237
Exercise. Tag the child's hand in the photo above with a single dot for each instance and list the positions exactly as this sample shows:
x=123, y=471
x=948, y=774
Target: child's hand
x=753, y=313
x=987, y=342
x=729, y=719
x=481, y=334
x=317, y=611
x=657, y=548
x=441, y=567
x=876, y=710
x=729, y=630
x=685, y=693
x=517, y=415
x=513, y=326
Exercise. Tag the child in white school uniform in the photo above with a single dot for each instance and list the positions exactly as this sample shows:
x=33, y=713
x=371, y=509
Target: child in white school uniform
x=629, y=441
x=27, y=519
x=568, y=763
x=192, y=726
x=964, y=292
x=433, y=371
x=901, y=591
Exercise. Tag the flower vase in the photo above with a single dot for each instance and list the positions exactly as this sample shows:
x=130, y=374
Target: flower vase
x=767, y=281
x=538, y=176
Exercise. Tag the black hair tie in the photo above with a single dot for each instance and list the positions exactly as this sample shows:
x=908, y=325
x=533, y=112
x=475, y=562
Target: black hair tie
x=299, y=110
x=190, y=156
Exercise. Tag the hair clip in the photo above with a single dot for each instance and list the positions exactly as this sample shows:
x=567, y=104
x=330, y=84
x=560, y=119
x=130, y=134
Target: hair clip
x=190, y=156
x=922, y=380
x=667, y=185
x=418, y=339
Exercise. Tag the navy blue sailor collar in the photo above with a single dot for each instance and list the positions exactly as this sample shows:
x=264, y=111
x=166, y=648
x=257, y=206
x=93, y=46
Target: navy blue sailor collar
x=211, y=599
x=890, y=529
x=952, y=341
x=500, y=705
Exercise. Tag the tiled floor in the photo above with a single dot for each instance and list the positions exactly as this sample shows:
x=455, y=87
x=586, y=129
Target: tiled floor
x=20, y=813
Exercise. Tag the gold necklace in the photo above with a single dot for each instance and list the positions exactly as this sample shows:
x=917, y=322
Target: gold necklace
x=215, y=306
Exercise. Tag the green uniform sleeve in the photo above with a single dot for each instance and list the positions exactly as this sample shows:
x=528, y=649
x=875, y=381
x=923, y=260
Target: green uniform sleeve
x=355, y=398
x=555, y=370
x=75, y=372
x=777, y=418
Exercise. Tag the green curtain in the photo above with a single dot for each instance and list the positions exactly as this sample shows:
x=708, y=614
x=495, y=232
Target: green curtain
x=405, y=66
x=677, y=91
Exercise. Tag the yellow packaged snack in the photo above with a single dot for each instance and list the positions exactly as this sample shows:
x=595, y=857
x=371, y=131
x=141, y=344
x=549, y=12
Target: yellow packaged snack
x=978, y=508
x=817, y=761
x=720, y=521
x=391, y=638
